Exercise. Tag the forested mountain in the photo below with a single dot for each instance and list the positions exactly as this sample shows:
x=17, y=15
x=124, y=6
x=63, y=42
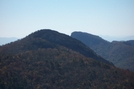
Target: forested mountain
x=47, y=59
x=121, y=54
x=50, y=39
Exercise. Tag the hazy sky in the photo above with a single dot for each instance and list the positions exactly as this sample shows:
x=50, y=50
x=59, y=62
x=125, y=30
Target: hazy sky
x=19, y=18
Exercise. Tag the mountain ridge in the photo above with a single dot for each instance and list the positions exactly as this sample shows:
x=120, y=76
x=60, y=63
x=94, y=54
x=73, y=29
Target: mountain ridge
x=47, y=38
x=118, y=52
x=37, y=63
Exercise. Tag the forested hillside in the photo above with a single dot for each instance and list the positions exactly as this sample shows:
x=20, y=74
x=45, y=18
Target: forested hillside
x=50, y=39
x=42, y=61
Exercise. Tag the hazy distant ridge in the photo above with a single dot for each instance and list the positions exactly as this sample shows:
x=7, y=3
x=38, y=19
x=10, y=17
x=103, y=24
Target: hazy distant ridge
x=5, y=40
x=121, y=53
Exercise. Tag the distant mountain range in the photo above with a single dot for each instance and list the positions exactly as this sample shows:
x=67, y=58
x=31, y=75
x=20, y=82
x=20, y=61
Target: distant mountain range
x=47, y=59
x=5, y=40
x=113, y=38
x=120, y=53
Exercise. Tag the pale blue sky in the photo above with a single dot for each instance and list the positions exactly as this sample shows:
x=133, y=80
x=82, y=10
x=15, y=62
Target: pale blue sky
x=19, y=18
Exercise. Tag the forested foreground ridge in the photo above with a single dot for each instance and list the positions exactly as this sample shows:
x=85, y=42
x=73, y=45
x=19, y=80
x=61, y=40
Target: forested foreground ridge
x=120, y=53
x=50, y=39
x=35, y=62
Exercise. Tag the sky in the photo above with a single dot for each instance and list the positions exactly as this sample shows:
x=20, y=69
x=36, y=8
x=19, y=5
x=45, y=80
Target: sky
x=114, y=18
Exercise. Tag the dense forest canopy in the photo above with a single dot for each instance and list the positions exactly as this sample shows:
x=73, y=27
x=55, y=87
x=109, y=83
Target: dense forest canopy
x=38, y=62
